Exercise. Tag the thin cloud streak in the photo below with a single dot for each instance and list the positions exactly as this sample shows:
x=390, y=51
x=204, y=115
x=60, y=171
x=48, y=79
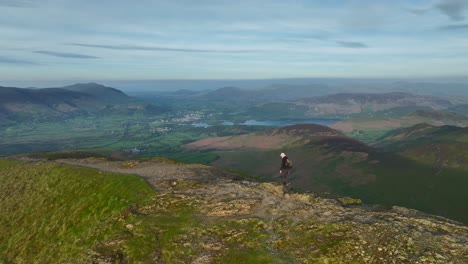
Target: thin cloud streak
x=419, y=11
x=454, y=27
x=351, y=44
x=66, y=55
x=17, y=3
x=7, y=60
x=153, y=48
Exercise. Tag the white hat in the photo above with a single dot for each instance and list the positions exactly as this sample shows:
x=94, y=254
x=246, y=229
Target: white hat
x=282, y=154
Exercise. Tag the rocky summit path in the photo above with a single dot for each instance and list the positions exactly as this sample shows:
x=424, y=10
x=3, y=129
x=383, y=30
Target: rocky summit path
x=305, y=225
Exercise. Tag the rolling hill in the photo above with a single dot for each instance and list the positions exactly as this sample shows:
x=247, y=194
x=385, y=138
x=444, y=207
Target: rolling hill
x=461, y=109
x=274, y=92
x=334, y=163
x=101, y=92
x=355, y=103
x=49, y=103
x=441, y=148
x=93, y=210
x=432, y=117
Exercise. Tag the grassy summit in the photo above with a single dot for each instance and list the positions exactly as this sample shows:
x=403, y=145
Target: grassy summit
x=56, y=214
x=191, y=213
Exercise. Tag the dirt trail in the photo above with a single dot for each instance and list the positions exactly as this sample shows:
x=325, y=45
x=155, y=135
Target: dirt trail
x=223, y=194
x=220, y=195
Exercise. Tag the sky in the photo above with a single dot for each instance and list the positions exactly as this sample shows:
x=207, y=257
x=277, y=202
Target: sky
x=88, y=40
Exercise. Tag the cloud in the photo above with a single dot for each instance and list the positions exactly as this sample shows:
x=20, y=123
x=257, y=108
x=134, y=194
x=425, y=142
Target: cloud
x=65, y=55
x=419, y=11
x=7, y=60
x=154, y=48
x=17, y=3
x=455, y=27
x=453, y=8
x=351, y=44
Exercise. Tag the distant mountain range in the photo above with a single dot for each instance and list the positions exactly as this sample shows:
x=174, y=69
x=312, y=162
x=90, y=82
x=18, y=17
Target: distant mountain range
x=46, y=103
x=318, y=100
x=354, y=103
x=269, y=93
x=432, y=117
x=101, y=92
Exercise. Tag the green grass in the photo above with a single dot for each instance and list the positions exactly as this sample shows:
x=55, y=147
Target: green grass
x=260, y=256
x=367, y=136
x=409, y=183
x=53, y=213
x=56, y=214
x=67, y=155
x=380, y=178
x=62, y=214
x=191, y=157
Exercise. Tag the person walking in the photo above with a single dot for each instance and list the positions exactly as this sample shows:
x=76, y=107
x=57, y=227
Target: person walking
x=286, y=165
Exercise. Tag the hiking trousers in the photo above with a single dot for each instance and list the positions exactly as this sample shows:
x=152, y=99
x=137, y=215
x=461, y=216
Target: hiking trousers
x=284, y=176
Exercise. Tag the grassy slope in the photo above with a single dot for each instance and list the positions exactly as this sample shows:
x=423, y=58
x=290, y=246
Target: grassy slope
x=387, y=179
x=56, y=214
x=412, y=184
x=373, y=129
x=61, y=214
x=437, y=147
x=56, y=220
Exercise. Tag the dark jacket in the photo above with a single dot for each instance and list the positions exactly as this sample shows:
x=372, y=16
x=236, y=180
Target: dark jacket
x=283, y=163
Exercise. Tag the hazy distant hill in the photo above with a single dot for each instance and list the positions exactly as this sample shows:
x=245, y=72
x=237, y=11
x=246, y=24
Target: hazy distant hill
x=354, y=103
x=49, y=101
x=275, y=92
x=99, y=91
x=428, y=88
x=461, y=109
x=26, y=104
x=433, y=117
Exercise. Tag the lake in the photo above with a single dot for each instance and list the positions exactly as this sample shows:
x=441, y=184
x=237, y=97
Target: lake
x=276, y=123
x=290, y=122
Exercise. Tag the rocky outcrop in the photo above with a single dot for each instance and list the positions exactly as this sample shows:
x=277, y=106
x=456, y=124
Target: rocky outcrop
x=257, y=218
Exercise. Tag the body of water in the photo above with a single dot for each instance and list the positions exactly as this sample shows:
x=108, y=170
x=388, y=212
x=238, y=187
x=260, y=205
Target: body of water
x=276, y=123
x=287, y=122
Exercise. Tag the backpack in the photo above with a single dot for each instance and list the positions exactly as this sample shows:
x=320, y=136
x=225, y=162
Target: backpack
x=289, y=163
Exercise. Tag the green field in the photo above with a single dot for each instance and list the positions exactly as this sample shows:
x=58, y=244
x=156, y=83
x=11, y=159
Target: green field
x=136, y=135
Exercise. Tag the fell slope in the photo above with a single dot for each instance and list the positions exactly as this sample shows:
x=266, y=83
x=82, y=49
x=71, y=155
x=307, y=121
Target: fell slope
x=22, y=103
x=19, y=106
x=343, y=166
x=441, y=148
x=198, y=214
x=104, y=93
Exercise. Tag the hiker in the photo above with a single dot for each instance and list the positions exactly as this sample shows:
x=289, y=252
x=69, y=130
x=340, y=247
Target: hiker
x=284, y=170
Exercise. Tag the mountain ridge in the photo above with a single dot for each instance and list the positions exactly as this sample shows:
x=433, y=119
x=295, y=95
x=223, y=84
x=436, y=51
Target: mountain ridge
x=201, y=214
x=345, y=166
x=46, y=103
